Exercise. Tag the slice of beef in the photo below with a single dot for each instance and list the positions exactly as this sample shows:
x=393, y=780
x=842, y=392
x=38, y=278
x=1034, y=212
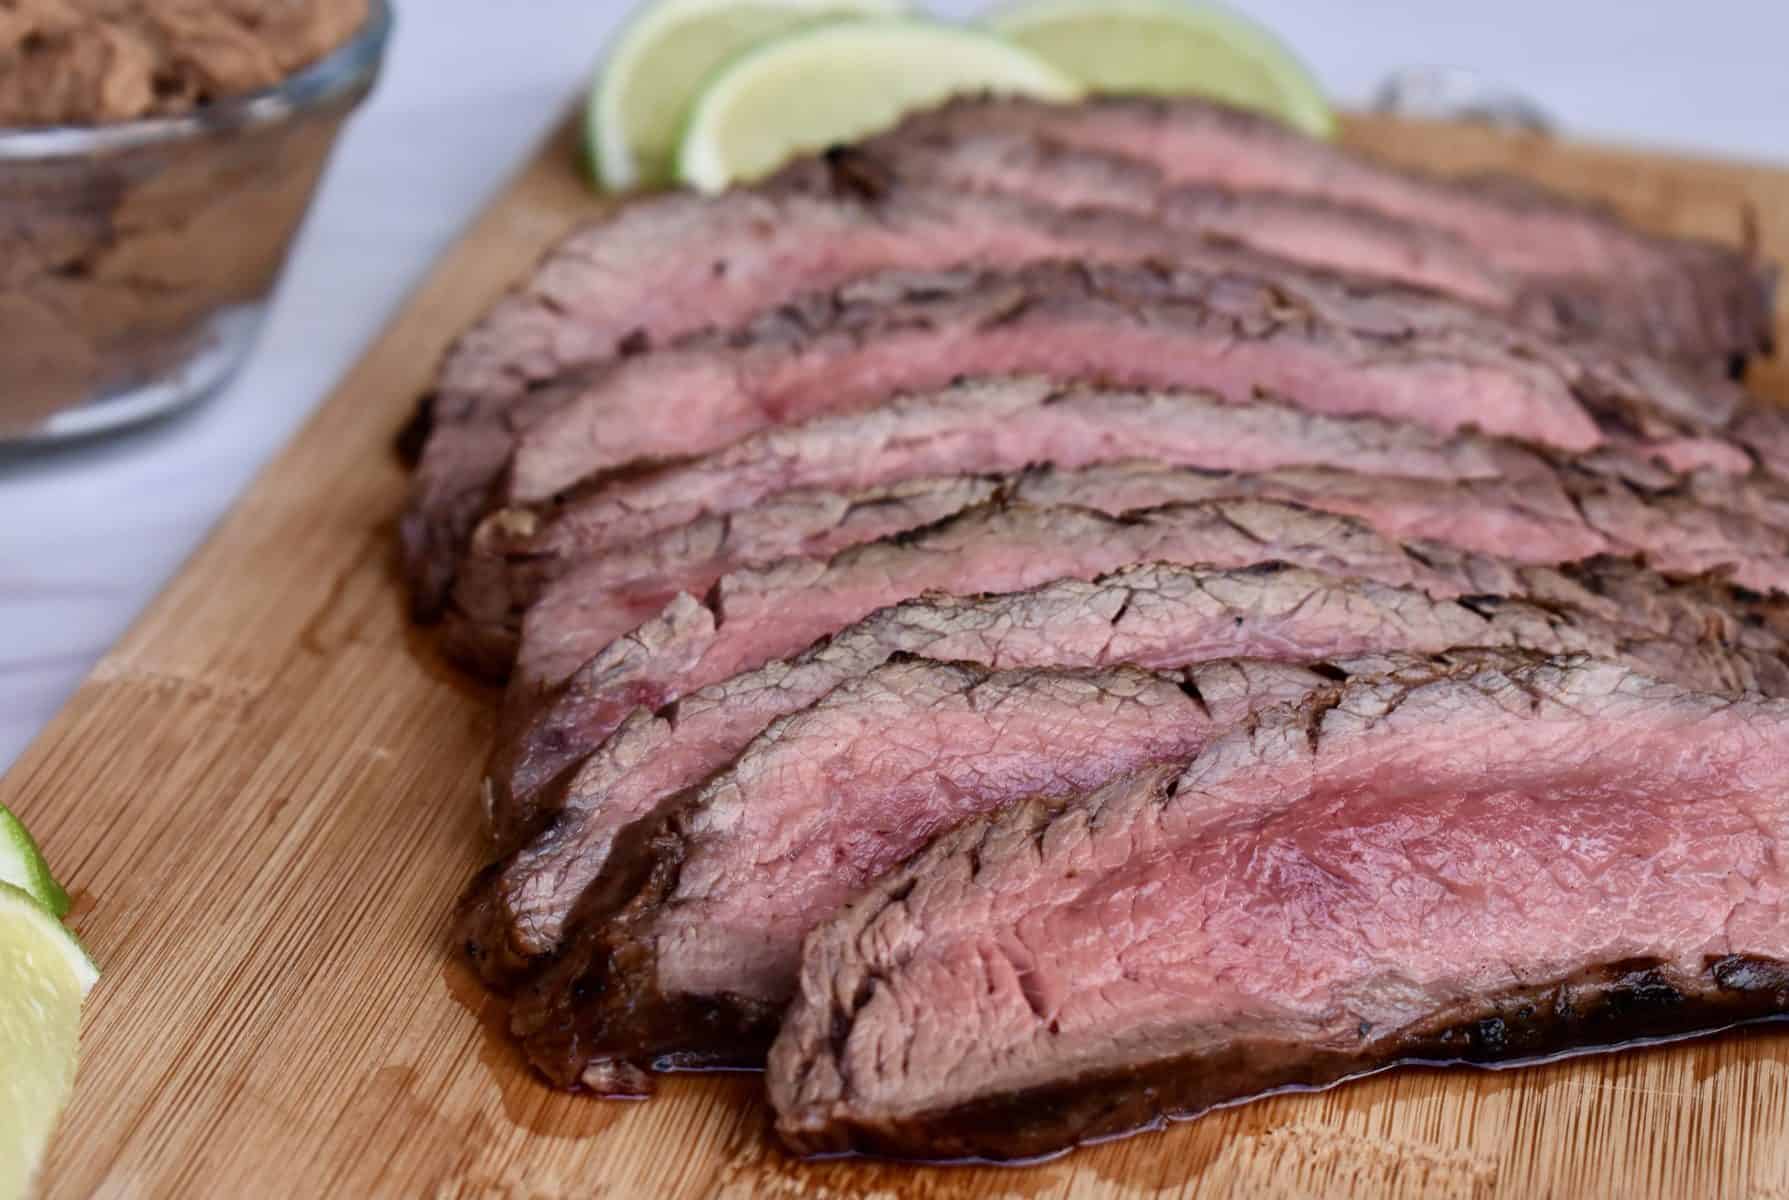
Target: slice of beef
x=896, y=755
x=1522, y=522
x=1501, y=865
x=572, y=630
x=1154, y=616
x=679, y=264
x=1679, y=297
x=563, y=558
x=1685, y=527
x=696, y=968
x=1755, y=502
x=976, y=427
x=1615, y=591
x=622, y=586
x=757, y=615
x=1380, y=352
x=1548, y=511
x=1324, y=345
x=1304, y=228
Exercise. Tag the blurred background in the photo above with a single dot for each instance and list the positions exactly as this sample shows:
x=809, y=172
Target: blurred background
x=93, y=532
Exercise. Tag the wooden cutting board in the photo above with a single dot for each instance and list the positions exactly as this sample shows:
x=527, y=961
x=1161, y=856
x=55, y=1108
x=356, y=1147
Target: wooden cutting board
x=264, y=801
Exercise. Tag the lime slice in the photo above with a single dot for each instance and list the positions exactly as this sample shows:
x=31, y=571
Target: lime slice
x=839, y=82
x=1170, y=47
x=44, y=976
x=660, y=61
x=22, y=865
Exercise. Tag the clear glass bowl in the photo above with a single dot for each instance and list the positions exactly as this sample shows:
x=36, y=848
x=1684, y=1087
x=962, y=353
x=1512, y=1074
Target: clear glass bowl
x=137, y=259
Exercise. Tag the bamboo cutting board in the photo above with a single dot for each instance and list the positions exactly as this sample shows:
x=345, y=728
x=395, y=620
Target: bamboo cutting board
x=264, y=800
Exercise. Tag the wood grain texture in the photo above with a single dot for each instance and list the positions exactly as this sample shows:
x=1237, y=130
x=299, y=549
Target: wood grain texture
x=264, y=801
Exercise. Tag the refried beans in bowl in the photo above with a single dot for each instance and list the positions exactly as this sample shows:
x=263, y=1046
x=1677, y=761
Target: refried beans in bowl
x=156, y=159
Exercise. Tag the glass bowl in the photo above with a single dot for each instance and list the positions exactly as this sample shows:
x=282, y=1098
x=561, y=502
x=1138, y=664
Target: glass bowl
x=137, y=259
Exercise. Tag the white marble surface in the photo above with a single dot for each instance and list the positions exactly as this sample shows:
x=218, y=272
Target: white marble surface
x=89, y=537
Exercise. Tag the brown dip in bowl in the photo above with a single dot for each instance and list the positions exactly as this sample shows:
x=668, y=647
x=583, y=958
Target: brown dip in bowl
x=161, y=158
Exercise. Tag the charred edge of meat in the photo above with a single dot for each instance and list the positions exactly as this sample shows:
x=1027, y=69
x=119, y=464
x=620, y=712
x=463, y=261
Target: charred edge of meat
x=430, y=542
x=1769, y=277
x=610, y=1019
x=486, y=650
x=1600, y=1009
x=474, y=922
x=434, y=536
x=857, y=173
x=674, y=1033
x=526, y=794
x=485, y=924
x=515, y=824
x=413, y=435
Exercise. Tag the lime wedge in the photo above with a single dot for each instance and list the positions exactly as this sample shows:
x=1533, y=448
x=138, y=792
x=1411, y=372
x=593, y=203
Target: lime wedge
x=22, y=865
x=839, y=82
x=660, y=61
x=44, y=976
x=1170, y=47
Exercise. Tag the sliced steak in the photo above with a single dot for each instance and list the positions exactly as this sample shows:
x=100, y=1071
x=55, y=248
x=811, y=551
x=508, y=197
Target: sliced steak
x=620, y=587
x=898, y=203
x=1309, y=229
x=1154, y=616
x=679, y=264
x=897, y=755
x=1322, y=345
x=754, y=616
x=1500, y=865
x=567, y=557
x=1755, y=504
x=1615, y=590
x=1381, y=353
x=676, y=263
x=1552, y=512
x=1685, y=527
x=1676, y=296
x=976, y=427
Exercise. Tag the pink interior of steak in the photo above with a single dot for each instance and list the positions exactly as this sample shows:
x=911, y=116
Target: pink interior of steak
x=574, y=618
x=1159, y=617
x=627, y=418
x=1381, y=338
x=682, y=263
x=1373, y=851
x=1300, y=228
x=852, y=788
x=1327, y=880
x=1583, y=269
x=1002, y=424
x=766, y=613
x=1523, y=229
x=591, y=604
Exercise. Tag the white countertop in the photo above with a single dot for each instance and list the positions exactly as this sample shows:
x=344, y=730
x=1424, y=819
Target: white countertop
x=90, y=536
